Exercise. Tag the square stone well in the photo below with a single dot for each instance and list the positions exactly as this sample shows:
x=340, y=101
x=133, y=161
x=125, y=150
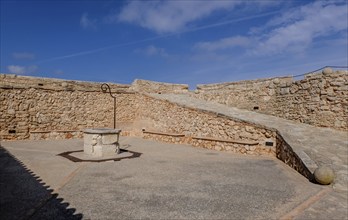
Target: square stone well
x=101, y=142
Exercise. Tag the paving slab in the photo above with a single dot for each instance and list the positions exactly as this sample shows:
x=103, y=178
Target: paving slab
x=167, y=181
x=316, y=146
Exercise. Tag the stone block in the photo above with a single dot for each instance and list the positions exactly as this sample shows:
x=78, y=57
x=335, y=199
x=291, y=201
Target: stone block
x=327, y=71
x=109, y=138
x=87, y=143
x=105, y=150
x=324, y=175
x=284, y=91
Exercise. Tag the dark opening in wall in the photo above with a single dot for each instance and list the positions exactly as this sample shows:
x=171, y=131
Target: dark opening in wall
x=256, y=107
x=40, y=84
x=269, y=143
x=11, y=131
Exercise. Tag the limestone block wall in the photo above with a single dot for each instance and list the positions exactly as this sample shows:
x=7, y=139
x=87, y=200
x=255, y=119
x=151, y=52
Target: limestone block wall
x=249, y=94
x=195, y=124
x=158, y=87
x=320, y=99
x=39, y=108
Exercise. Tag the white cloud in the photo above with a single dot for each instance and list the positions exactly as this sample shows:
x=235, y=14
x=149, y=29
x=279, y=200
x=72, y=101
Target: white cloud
x=296, y=29
x=87, y=23
x=153, y=51
x=15, y=69
x=293, y=31
x=170, y=16
x=23, y=56
x=224, y=43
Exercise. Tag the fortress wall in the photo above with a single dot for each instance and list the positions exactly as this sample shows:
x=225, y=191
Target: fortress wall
x=42, y=108
x=158, y=87
x=175, y=119
x=248, y=94
x=320, y=99
x=38, y=108
x=51, y=111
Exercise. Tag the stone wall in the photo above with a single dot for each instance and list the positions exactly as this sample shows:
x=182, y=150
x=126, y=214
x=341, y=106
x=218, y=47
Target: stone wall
x=204, y=129
x=285, y=153
x=252, y=95
x=158, y=87
x=36, y=108
x=320, y=99
x=39, y=108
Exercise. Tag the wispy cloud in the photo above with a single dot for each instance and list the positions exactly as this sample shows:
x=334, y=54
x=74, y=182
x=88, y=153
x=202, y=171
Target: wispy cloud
x=20, y=70
x=170, y=16
x=153, y=51
x=296, y=29
x=88, y=23
x=293, y=31
x=23, y=56
x=204, y=27
x=224, y=43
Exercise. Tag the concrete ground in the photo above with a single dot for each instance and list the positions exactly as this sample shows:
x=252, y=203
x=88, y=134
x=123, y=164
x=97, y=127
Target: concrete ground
x=167, y=181
x=315, y=146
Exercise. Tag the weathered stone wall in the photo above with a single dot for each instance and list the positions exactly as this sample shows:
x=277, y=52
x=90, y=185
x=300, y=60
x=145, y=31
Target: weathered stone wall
x=285, y=153
x=196, y=124
x=40, y=108
x=257, y=95
x=320, y=99
x=158, y=87
x=36, y=108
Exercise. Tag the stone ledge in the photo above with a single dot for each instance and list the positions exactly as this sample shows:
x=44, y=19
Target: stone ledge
x=39, y=132
x=226, y=140
x=163, y=133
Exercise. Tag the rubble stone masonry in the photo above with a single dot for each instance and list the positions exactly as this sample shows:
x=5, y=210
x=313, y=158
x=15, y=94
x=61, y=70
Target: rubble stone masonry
x=320, y=99
x=42, y=108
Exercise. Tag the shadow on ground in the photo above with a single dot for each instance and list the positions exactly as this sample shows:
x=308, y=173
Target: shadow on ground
x=23, y=195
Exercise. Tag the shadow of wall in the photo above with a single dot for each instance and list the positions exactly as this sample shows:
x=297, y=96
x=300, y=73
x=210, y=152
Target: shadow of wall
x=23, y=195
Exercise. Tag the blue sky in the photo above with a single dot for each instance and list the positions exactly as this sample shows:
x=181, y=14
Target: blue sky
x=182, y=41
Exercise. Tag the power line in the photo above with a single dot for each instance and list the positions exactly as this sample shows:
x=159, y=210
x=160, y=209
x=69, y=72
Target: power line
x=337, y=67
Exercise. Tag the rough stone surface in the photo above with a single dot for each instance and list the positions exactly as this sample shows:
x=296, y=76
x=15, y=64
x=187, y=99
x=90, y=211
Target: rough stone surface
x=327, y=70
x=324, y=175
x=158, y=87
x=319, y=99
x=101, y=142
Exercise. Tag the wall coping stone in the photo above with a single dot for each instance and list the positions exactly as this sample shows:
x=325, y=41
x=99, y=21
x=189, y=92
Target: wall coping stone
x=163, y=133
x=33, y=132
x=226, y=140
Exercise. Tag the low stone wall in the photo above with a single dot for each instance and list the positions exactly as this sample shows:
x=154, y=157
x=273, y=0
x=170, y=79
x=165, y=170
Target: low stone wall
x=285, y=153
x=320, y=99
x=202, y=128
x=158, y=87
